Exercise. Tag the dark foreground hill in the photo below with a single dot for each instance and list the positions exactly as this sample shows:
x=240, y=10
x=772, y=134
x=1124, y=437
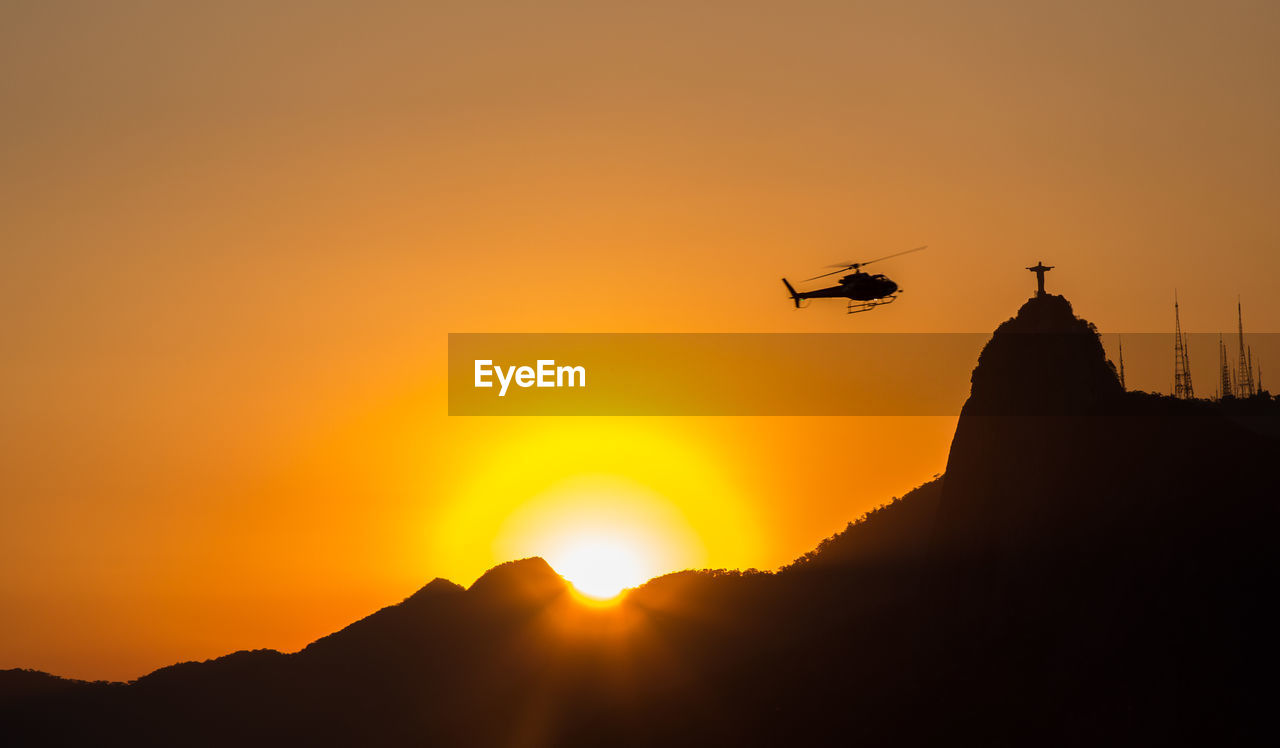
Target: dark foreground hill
x=1094, y=566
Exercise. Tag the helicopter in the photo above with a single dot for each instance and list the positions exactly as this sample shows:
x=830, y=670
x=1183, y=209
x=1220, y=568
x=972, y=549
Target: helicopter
x=864, y=292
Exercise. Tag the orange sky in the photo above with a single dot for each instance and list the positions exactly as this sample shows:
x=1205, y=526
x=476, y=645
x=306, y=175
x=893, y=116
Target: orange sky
x=236, y=236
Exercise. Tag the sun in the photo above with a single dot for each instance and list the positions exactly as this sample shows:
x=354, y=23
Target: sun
x=602, y=533
x=599, y=567
x=625, y=501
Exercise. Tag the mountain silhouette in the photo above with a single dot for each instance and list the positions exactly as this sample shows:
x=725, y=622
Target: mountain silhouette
x=1093, y=566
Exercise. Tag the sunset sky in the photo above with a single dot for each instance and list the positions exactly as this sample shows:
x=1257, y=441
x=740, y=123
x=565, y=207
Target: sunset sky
x=237, y=234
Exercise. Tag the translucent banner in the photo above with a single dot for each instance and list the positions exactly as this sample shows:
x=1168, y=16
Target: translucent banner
x=727, y=374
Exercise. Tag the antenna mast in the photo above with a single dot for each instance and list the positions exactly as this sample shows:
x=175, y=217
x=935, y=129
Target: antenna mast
x=1244, y=369
x=1182, y=387
x=1120, y=341
x=1226, y=389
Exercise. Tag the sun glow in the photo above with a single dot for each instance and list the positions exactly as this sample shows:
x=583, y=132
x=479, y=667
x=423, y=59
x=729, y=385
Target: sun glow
x=599, y=568
x=603, y=515
x=602, y=533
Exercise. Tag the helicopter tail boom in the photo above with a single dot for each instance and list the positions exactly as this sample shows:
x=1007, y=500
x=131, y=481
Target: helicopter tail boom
x=795, y=297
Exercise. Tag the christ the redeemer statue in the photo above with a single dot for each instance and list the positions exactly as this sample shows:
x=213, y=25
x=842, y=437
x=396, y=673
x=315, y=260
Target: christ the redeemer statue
x=1040, y=269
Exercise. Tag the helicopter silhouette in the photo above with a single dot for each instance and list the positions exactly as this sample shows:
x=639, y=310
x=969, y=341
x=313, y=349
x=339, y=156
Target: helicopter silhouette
x=864, y=292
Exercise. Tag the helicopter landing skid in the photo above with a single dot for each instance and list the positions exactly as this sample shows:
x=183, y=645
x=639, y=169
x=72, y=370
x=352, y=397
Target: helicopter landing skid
x=866, y=306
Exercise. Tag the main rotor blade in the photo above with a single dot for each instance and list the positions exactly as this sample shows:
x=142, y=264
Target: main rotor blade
x=833, y=272
x=855, y=265
x=895, y=254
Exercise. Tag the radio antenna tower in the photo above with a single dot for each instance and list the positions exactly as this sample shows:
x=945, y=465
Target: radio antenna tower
x=1244, y=369
x=1120, y=341
x=1182, y=387
x=1225, y=389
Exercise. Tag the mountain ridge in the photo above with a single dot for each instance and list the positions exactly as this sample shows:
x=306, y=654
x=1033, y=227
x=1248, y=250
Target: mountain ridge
x=1080, y=572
